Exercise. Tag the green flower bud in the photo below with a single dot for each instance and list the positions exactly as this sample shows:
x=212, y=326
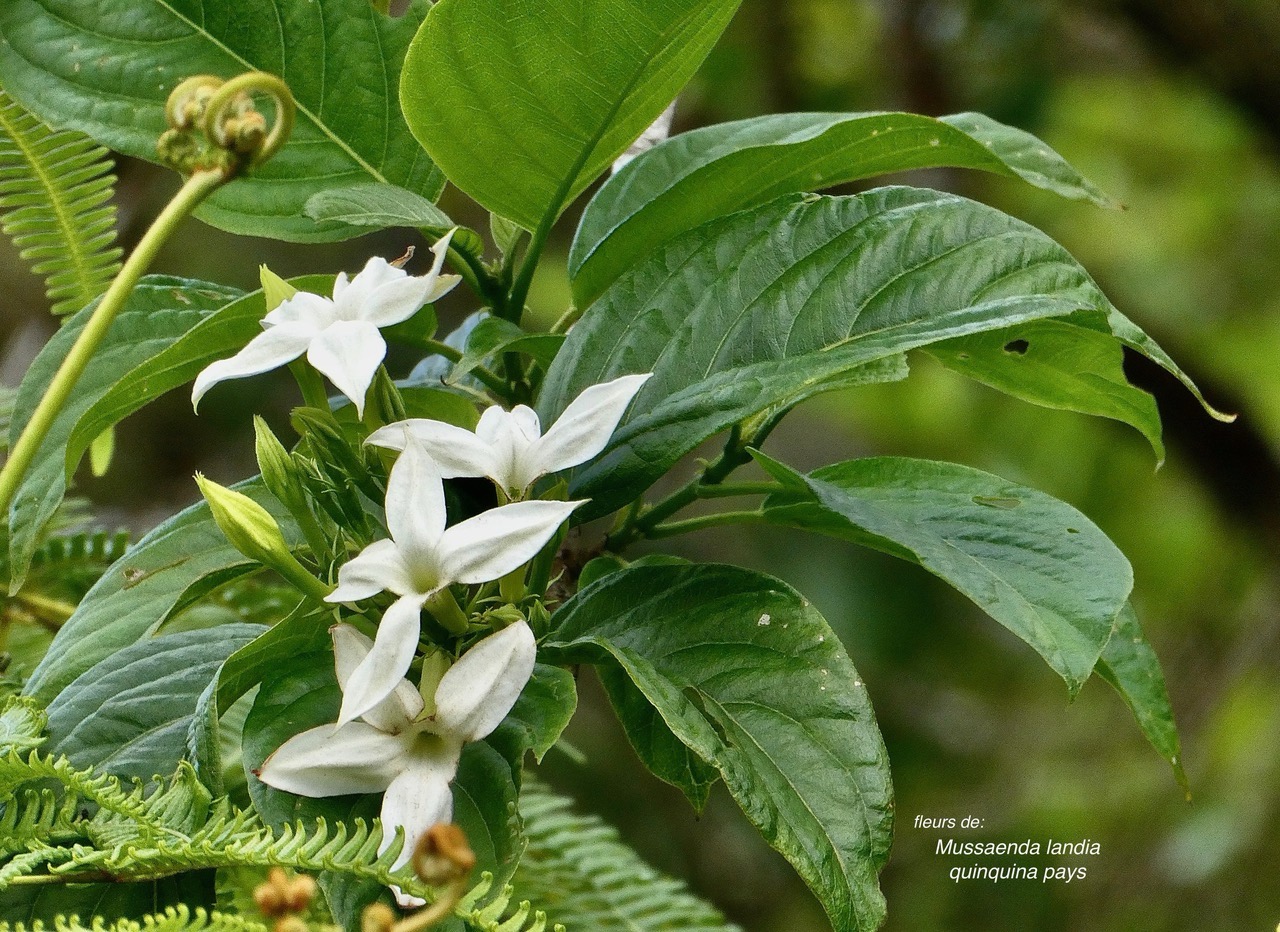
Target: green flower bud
x=274, y=288
x=277, y=467
x=250, y=529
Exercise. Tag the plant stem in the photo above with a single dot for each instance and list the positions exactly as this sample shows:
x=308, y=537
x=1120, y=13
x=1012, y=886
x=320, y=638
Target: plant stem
x=712, y=474
x=51, y=613
x=717, y=519
x=735, y=489
x=520, y=290
x=491, y=380
x=311, y=385
x=446, y=610
x=197, y=188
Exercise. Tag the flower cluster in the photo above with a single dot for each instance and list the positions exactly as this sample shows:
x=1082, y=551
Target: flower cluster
x=393, y=737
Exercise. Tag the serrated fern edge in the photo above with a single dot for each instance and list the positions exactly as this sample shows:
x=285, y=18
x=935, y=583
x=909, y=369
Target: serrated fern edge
x=173, y=919
x=55, y=191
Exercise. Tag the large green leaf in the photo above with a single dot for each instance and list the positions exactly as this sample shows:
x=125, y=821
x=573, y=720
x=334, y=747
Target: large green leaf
x=759, y=310
x=750, y=678
x=159, y=311
x=106, y=68
x=711, y=172
x=1033, y=563
x=129, y=715
x=523, y=103
x=211, y=337
x=182, y=557
x=1130, y=665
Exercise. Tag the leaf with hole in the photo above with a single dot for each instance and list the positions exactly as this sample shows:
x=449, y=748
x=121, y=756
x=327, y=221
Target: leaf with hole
x=757, y=311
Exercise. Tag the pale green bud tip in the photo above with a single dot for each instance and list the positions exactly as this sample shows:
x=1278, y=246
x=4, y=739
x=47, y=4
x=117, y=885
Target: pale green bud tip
x=275, y=464
x=275, y=288
x=247, y=525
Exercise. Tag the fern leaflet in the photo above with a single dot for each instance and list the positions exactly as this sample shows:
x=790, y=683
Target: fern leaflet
x=174, y=919
x=55, y=189
x=577, y=867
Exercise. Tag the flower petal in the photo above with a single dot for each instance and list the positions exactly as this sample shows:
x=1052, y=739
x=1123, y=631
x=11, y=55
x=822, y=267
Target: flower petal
x=397, y=301
x=443, y=283
x=416, y=511
x=349, y=353
x=328, y=761
x=457, y=452
x=416, y=800
x=270, y=349
x=499, y=540
x=350, y=296
x=584, y=427
x=377, y=568
x=382, y=670
x=498, y=432
x=478, y=691
x=394, y=714
x=305, y=309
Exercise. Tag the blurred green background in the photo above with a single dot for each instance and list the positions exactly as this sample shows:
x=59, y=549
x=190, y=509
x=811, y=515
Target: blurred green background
x=1173, y=107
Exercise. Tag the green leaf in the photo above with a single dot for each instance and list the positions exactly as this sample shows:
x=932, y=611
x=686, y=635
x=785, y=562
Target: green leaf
x=1033, y=563
x=298, y=635
x=119, y=59
x=210, y=337
x=55, y=192
x=494, y=335
x=760, y=310
x=384, y=205
x=708, y=173
x=111, y=901
x=747, y=675
x=1057, y=364
x=22, y=725
x=129, y=714
x=539, y=716
x=180, y=559
x=158, y=311
x=523, y=103
x=1131, y=667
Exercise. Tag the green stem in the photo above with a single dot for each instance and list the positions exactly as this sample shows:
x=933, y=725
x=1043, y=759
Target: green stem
x=300, y=578
x=717, y=519
x=735, y=489
x=529, y=265
x=491, y=380
x=712, y=474
x=311, y=385
x=197, y=188
x=567, y=320
x=446, y=610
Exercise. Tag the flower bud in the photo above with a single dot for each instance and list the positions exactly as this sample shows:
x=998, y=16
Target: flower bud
x=274, y=288
x=250, y=529
x=278, y=470
x=246, y=524
x=443, y=855
x=377, y=918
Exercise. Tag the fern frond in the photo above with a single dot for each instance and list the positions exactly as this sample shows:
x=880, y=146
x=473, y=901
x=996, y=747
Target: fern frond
x=489, y=915
x=174, y=919
x=55, y=189
x=37, y=818
x=577, y=868
x=72, y=552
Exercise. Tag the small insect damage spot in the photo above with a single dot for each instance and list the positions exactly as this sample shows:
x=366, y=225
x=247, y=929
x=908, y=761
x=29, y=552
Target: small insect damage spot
x=765, y=619
x=1017, y=347
x=1073, y=530
x=997, y=501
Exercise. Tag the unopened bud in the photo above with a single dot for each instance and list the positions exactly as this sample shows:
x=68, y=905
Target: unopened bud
x=274, y=288
x=377, y=918
x=385, y=403
x=279, y=473
x=291, y=924
x=443, y=855
x=271, y=895
x=246, y=524
x=302, y=890
x=250, y=529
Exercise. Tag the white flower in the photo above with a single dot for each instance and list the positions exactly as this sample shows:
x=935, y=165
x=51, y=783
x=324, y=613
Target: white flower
x=339, y=336
x=510, y=447
x=422, y=557
x=397, y=749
